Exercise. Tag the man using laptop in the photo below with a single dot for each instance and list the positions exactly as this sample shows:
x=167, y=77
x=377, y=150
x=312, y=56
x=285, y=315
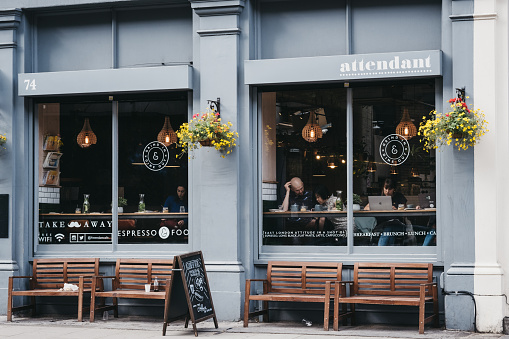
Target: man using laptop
x=390, y=191
x=389, y=225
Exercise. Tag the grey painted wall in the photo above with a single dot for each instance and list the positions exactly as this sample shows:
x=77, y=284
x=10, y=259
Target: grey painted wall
x=218, y=37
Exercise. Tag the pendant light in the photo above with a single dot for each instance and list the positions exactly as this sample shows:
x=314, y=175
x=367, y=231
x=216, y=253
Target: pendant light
x=371, y=168
x=312, y=131
x=167, y=136
x=331, y=163
x=406, y=127
x=414, y=172
x=86, y=137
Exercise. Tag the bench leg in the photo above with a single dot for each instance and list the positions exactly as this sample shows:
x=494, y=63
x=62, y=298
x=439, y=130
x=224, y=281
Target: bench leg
x=246, y=303
x=115, y=309
x=352, y=309
x=9, y=300
x=92, y=308
x=436, y=322
x=34, y=311
x=80, y=307
x=422, y=310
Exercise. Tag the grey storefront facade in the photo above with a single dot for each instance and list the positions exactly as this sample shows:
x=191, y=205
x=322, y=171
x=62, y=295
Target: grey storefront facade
x=116, y=60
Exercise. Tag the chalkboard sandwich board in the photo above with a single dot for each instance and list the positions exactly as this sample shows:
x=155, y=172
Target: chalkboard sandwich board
x=194, y=279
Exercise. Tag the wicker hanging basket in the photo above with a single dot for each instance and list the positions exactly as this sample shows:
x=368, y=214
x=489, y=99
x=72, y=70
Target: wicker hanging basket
x=206, y=142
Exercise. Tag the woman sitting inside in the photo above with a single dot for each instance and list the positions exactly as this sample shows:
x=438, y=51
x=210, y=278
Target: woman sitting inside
x=338, y=224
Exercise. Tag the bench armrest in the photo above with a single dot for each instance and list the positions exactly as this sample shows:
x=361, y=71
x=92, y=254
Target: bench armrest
x=248, y=286
x=103, y=276
x=428, y=289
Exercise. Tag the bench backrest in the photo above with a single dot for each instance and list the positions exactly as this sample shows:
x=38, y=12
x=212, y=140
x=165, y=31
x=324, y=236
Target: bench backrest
x=301, y=277
x=54, y=272
x=133, y=274
x=391, y=279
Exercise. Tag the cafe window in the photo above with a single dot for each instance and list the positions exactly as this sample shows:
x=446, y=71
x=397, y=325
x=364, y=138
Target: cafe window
x=81, y=160
x=308, y=137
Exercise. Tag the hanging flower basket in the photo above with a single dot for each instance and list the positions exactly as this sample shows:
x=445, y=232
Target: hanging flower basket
x=206, y=143
x=462, y=126
x=206, y=130
x=3, y=140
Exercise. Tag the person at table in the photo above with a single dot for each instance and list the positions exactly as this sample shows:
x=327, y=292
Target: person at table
x=388, y=225
x=296, y=194
x=338, y=224
x=389, y=190
x=174, y=203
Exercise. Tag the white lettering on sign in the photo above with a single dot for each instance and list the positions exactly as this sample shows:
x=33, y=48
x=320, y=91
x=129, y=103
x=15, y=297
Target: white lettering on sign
x=394, y=149
x=395, y=65
x=30, y=84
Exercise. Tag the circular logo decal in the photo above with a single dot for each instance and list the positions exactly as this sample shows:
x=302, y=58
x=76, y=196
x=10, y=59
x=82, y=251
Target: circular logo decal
x=394, y=149
x=164, y=232
x=155, y=156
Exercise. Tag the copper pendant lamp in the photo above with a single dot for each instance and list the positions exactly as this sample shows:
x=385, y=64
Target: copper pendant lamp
x=167, y=136
x=312, y=131
x=406, y=127
x=86, y=137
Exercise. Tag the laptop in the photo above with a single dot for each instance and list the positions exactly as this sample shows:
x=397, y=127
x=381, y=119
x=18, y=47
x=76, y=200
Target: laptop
x=425, y=198
x=380, y=203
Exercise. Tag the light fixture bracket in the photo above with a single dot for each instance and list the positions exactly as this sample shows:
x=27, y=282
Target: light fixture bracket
x=215, y=105
x=461, y=93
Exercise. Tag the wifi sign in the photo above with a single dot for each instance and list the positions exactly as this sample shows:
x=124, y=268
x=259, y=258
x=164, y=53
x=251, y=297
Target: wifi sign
x=59, y=237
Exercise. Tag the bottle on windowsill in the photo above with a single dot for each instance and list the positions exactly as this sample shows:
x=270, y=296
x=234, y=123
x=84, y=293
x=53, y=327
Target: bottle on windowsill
x=339, y=202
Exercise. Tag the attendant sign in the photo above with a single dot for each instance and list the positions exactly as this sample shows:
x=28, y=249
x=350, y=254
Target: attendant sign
x=344, y=67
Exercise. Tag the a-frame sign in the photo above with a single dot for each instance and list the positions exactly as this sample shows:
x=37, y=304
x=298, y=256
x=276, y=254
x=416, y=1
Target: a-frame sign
x=193, y=282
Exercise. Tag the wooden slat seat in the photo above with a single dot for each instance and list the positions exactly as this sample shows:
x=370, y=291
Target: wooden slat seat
x=129, y=281
x=297, y=282
x=49, y=275
x=405, y=284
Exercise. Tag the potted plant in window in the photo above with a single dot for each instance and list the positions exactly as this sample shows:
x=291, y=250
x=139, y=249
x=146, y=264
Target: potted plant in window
x=357, y=201
x=207, y=130
x=121, y=203
x=461, y=125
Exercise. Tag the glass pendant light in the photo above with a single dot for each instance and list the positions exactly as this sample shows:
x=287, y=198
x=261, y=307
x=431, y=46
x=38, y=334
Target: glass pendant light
x=167, y=136
x=86, y=137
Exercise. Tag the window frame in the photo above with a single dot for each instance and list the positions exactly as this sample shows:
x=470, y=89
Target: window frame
x=347, y=254
x=113, y=249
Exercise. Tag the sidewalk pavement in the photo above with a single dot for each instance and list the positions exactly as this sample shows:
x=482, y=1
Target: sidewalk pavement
x=141, y=328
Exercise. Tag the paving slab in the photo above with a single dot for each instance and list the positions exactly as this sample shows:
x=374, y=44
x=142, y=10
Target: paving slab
x=126, y=327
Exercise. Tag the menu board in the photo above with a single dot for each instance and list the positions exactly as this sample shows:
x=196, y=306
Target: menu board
x=196, y=285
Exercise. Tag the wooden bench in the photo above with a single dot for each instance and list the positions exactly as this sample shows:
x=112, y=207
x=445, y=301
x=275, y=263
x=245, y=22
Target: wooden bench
x=297, y=282
x=392, y=284
x=129, y=281
x=49, y=275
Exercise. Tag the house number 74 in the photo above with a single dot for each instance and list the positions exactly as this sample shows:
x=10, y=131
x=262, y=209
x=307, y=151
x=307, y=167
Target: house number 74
x=30, y=84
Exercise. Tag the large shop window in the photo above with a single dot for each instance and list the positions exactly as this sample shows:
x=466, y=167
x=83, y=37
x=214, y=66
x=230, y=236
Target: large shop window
x=306, y=136
x=76, y=172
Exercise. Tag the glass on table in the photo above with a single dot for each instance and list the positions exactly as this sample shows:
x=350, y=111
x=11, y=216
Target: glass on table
x=182, y=209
